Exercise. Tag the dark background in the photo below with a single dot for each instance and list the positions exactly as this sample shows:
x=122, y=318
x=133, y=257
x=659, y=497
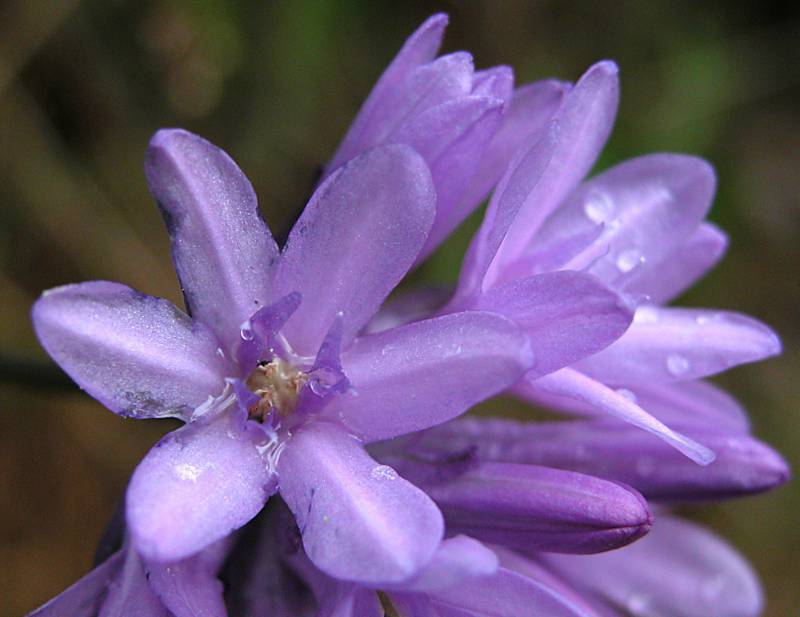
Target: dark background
x=83, y=85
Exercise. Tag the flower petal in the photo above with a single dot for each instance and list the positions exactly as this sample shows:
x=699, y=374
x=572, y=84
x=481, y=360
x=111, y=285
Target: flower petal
x=567, y=315
x=222, y=248
x=456, y=561
x=619, y=452
x=355, y=240
x=531, y=107
x=692, y=404
x=359, y=520
x=541, y=509
x=452, y=138
x=130, y=595
x=84, y=598
x=675, y=273
x=138, y=355
x=540, y=177
x=573, y=384
x=677, y=569
x=647, y=207
x=427, y=372
x=190, y=587
x=505, y=594
x=197, y=485
x=386, y=96
x=668, y=344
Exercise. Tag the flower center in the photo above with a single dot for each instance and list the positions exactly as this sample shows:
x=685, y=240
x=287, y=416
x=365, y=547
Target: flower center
x=277, y=384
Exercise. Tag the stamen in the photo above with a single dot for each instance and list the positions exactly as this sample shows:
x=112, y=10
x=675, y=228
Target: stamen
x=277, y=384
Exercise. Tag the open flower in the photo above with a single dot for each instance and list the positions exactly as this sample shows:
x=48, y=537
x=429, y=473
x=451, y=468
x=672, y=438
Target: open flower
x=277, y=390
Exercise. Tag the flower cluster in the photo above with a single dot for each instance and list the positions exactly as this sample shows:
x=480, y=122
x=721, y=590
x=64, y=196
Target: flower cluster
x=303, y=388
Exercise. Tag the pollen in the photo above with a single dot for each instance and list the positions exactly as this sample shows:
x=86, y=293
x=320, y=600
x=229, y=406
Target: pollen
x=277, y=384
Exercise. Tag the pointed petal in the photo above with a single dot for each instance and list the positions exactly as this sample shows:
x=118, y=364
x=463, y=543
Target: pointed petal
x=618, y=452
x=422, y=374
x=567, y=315
x=386, y=96
x=541, y=509
x=647, y=207
x=83, y=599
x=197, y=485
x=572, y=384
x=497, y=82
x=359, y=520
x=667, y=344
x=456, y=561
x=680, y=568
x=222, y=248
x=138, y=355
x=531, y=107
x=533, y=570
x=355, y=240
x=260, y=332
x=543, y=175
x=452, y=138
x=692, y=404
x=190, y=587
x=505, y=594
x=679, y=270
x=130, y=595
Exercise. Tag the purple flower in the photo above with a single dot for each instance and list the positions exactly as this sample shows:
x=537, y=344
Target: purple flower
x=277, y=390
x=466, y=124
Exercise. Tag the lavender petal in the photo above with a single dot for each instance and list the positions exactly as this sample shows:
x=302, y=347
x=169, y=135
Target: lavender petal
x=541, y=509
x=567, y=315
x=360, y=521
x=427, y=372
x=222, y=248
x=618, y=452
x=197, y=485
x=355, y=240
x=138, y=355
x=84, y=598
x=669, y=344
x=190, y=588
x=543, y=175
x=457, y=560
x=671, y=276
x=677, y=569
x=385, y=98
x=570, y=383
x=647, y=207
x=130, y=595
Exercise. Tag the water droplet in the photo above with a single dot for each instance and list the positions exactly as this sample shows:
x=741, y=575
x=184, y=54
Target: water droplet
x=383, y=472
x=646, y=314
x=185, y=471
x=677, y=365
x=628, y=259
x=598, y=207
x=625, y=393
x=246, y=331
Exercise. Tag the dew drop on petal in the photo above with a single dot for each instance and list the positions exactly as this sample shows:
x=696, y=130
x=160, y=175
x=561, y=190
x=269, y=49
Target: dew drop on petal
x=598, y=208
x=677, y=365
x=625, y=393
x=646, y=314
x=246, y=331
x=383, y=472
x=185, y=471
x=628, y=259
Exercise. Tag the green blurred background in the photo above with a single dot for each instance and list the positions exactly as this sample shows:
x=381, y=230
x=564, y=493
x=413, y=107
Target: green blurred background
x=83, y=85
